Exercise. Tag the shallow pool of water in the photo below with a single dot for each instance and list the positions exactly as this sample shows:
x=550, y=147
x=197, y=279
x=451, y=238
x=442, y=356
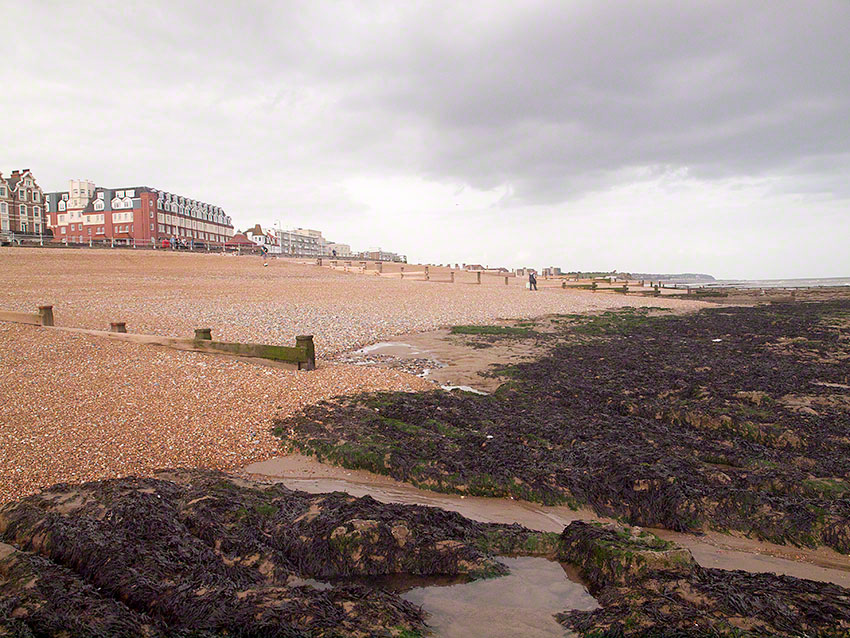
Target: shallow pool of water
x=520, y=604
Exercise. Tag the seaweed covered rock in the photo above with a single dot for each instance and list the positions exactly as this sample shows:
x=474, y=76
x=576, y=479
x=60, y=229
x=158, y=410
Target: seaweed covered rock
x=201, y=552
x=730, y=418
x=648, y=587
x=52, y=600
x=615, y=554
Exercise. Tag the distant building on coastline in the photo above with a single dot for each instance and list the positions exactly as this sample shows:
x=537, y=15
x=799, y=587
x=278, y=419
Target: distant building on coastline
x=137, y=214
x=21, y=205
x=376, y=254
x=337, y=250
x=310, y=243
x=551, y=271
x=265, y=238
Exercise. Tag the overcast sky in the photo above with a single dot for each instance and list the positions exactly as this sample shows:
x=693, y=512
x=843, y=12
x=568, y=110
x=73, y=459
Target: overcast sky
x=661, y=136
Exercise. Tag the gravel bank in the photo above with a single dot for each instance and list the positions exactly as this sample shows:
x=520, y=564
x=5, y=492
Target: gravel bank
x=79, y=408
x=173, y=293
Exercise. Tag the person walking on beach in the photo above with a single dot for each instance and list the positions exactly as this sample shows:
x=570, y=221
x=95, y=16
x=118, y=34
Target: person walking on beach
x=264, y=253
x=532, y=281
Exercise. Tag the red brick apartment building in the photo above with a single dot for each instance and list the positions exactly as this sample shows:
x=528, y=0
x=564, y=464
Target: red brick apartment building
x=21, y=205
x=135, y=215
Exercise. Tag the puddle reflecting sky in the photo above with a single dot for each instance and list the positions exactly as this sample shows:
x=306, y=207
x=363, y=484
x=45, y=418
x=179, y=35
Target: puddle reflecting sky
x=521, y=604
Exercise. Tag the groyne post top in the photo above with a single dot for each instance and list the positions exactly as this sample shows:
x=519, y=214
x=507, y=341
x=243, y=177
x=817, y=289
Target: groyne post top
x=306, y=342
x=506, y=280
x=118, y=326
x=479, y=276
x=46, y=315
x=203, y=333
x=452, y=273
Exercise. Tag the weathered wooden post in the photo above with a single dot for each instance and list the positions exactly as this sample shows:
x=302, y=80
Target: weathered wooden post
x=506, y=280
x=117, y=326
x=452, y=273
x=656, y=291
x=625, y=289
x=203, y=334
x=479, y=277
x=427, y=273
x=45, y=313
x=593, y=286
x=319, y=261
x=306, y=342
x=380, y=266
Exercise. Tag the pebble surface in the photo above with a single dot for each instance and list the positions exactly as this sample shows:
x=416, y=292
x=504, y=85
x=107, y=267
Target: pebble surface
x=170, y=294
x=75, y=407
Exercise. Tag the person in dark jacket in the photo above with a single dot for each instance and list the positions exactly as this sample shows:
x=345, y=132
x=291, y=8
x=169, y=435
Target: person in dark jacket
x=532, y=281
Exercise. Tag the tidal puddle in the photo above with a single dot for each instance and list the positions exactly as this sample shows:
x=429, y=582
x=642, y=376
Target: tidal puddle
x=464, y=388
x=391, y=348
x=522, y=603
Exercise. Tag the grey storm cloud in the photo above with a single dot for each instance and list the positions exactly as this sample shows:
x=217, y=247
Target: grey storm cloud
x=560, y=97
x=550, y=98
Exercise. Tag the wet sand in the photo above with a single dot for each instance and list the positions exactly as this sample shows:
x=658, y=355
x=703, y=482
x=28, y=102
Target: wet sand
x=713, y=549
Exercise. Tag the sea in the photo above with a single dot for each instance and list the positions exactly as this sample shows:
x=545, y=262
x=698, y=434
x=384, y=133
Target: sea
x=770, y=283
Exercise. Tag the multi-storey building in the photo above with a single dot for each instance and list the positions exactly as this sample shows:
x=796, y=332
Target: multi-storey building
x=264, y=238
x=376, y=254
x=301, y=242
x=337, y=250
x=21, y=205
x=137, y=214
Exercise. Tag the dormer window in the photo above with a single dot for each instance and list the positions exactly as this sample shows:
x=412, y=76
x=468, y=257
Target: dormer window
x=62, y=204
x=99, y=205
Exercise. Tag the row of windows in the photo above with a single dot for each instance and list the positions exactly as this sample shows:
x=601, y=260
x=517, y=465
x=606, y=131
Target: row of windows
x=100, y=230
x=183, y=232
x=23, y=195
x=22, y=210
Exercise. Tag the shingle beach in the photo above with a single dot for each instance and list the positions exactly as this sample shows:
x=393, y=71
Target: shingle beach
x=77, y=407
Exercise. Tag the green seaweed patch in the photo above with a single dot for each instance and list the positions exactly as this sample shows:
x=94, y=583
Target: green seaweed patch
x=826, y=487
x=409, y=428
